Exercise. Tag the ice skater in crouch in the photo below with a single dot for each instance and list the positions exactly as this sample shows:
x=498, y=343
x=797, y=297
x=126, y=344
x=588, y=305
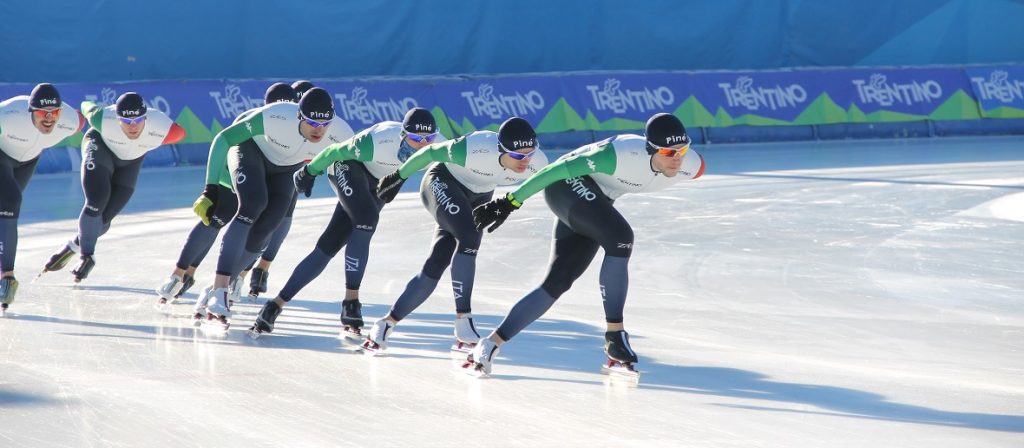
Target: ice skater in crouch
x=263, y=152
x=580, y=188
x=467, y=171
x=200, y=239
x=112, y=155
x=28, y=125
x=353, y=168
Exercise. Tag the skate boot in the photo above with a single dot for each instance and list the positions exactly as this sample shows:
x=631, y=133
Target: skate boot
x=265, y=320
x=61, y=258
x=218, y=308
x=466, y=336
x=352, y=318
x=478, y=362
x=199, y=312
x=84, y=268
x=377, y=340
x=257, y=283
x=621, y=357
x=8, y=288
x=170, y=290
x=186, y=282
x=235, y=291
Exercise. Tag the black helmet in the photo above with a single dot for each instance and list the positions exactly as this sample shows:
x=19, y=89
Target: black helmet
x=44, y=96
x=664, y=130
x=278, y=92
x=316, y=104
x=301, y=87
x=419, y=119
x=516, y=133
x=130, y=105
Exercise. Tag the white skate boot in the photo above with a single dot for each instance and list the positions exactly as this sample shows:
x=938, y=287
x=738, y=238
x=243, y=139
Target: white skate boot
x=218, y=308
x=235, y=291
x=168, y=292
x=478, y=362
x=466, y=336
x=199, y=312
x=377, y=340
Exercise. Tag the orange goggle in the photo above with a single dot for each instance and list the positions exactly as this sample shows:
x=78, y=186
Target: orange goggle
x=43, y=114
x=669, y=152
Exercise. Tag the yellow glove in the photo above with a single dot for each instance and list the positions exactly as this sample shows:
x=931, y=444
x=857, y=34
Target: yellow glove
x=203, y=207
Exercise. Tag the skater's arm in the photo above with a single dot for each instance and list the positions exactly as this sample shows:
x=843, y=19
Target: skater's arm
x=601, y=160
x=359, y=147
x=452, y=151
x=94, y=113
x=231, y=136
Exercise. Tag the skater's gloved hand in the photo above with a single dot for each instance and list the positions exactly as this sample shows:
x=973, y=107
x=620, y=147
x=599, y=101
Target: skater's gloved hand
x=388, y=186
x=495, y=212
x=304, y=181
x=206, y=205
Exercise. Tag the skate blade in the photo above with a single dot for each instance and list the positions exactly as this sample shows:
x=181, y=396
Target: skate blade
x=462, y=347
x=214, y=329
x=355, y=335
x=621, y=372
x=3, y=313
x=473, y=369
x=370, y=350
x=254, y=334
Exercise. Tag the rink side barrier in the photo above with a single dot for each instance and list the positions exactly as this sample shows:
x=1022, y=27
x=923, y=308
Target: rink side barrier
x=572, y=109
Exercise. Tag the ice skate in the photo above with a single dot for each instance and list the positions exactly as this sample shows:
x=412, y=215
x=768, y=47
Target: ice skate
x=168, y=292
x=81, y=272
x=621, y=357
x=234, y=291
x=479, y=361
x=257, y=283
x=265, y=320
x=199, y=312
x=377, y=340
x=352, y=319
x=60, y=259
x=8, y=288
x=466, y=336
x=186, y=282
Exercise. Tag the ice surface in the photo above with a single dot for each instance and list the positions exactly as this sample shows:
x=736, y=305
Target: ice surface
x=839, y=294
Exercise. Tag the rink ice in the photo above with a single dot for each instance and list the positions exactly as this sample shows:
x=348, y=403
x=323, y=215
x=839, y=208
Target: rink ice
x=840, y=294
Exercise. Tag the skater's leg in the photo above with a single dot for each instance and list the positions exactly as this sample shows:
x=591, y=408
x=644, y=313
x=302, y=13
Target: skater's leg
x=14, y=177
x=571, y=254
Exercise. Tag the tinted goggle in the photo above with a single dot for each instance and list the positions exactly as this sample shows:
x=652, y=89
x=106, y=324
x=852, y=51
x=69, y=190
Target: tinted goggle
x=314, y=123
x=517, y=155
x=421, y=138
x=668, y=152
x=132, y=120
x=43, y=114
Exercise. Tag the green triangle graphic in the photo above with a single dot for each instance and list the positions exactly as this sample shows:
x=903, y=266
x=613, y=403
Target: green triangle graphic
x=694, y=114
x=73, y=140
x=887, y=116
x=821, y=111
x=195, y=131
x=216, y=127
x=855, y=115
x=757, y=120
x=561, y=117
x=722, y=118
x=1005, y=112
x=621, y=124
x=591, y=122
x=959, y=106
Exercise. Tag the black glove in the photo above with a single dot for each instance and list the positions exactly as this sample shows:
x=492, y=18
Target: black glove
x=206, y=205
x=388, y=186
x=304, y=181
x=493, y=213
